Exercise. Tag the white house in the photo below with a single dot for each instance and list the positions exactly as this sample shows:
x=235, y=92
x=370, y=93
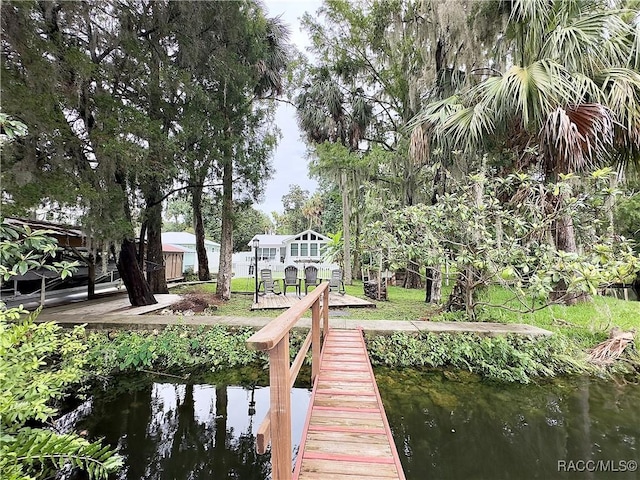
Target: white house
x=188, y=242
x=304, y=247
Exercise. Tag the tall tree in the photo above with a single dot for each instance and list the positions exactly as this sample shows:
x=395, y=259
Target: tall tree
x=293, y=219
x=262, y=52
x=570, y=101
x=377, y=60
x=62, y=74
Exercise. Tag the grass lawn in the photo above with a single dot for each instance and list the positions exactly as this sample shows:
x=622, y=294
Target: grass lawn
x=596, y=317
x=587, y=320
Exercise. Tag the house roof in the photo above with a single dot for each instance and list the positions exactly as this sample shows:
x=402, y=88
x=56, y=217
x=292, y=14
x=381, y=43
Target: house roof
x=167, y=247
x=269, y=240
x=318, y=235
x=183, y=238
x=281, y=240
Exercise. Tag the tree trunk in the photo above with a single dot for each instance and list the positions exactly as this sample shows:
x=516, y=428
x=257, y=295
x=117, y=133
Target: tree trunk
x=565, y=239
x=357, y=258
x=223, y=288
x=635, y=286
x=433, y=285
x=412, y=278
x=91, y=274
x=436, y=286
x=201, y=251
x=456, y=300
x=157, y=162
x=142, y=242
x=132, y=277
x=346, y=228
x=128, y=267
x=155, y=260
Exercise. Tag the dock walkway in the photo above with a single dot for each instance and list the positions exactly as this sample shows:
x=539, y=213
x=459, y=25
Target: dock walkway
x=346, y=435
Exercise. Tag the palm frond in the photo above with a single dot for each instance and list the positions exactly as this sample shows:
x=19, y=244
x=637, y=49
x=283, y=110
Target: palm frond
x=468, y=127
x=435, y=113
x=576, y=138
x=589, y=41
x=634, y=54
x=529, y=93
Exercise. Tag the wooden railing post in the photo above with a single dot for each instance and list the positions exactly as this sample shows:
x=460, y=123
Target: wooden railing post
x=315, y=340
x=325, y=314
x=274, y=338
x=280, y=396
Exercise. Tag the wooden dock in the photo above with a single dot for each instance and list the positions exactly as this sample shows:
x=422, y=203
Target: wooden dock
x=346, y=435
x=274, y=302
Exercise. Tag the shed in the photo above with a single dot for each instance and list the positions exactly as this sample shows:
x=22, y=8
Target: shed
x=173, y=256
x=187, y=241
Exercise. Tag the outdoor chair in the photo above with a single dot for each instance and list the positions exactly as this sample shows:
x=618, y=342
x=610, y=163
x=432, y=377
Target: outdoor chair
x=336, y=282
x=310, y=278
x=291, y=279
x=267, y=282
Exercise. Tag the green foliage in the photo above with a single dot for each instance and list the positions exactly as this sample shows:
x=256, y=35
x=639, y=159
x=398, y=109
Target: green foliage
x=507, y=359
x=177, y=348
x=494, y=231
x=23, y=249
x=10, y=129
x=293, y=219
x=627, y=217
x=40, y=363
x=42, y=453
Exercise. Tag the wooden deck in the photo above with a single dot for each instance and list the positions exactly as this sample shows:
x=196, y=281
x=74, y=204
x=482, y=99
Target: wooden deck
x=346, y=435
x=275, y=302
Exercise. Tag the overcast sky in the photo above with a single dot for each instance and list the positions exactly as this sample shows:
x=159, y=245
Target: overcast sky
x=289, y=162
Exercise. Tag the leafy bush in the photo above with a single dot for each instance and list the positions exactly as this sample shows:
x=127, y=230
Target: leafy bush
x=503, y=358
x=177, y=349
x=40, y=362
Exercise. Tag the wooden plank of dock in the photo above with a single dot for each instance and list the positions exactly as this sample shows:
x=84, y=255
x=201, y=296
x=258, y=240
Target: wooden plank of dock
x=274, y=302
x=346, y=435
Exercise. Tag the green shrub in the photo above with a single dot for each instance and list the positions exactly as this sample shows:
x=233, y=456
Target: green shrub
x=40, y=362
x=502, y=358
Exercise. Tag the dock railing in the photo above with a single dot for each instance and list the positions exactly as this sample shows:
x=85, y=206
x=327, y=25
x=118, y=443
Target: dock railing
x=274, y=338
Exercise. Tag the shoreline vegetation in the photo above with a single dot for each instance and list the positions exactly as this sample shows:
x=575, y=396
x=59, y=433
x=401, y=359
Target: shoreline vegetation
x=577, y=329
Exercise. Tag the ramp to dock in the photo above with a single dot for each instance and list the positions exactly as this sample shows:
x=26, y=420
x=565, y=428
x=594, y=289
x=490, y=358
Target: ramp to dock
x=346, y=434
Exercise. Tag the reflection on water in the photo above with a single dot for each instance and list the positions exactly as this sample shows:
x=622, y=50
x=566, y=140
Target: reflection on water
x=447, y=429
x=187, y=431
x=444, y=428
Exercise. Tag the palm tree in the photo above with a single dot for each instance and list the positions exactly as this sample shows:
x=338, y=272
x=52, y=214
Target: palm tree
x=570, y=101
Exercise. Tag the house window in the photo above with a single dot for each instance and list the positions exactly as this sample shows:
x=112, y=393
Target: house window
x=267, y=253
x=314, y=249
x=304, y=249
x=312, y=236
x=305, y=237
x=294, y=249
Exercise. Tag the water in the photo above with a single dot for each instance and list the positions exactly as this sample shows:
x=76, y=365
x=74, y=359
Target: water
x=464, y=429
x=445, y=427
x=174, y=430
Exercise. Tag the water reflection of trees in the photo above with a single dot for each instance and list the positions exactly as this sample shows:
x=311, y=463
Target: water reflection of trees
x=451, y=429
x=172, y=431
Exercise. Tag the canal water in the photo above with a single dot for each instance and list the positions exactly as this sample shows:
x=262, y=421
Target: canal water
x=446, y=426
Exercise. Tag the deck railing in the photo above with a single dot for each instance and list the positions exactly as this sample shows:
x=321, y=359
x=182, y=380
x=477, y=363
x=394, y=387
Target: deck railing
x=274, y=338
